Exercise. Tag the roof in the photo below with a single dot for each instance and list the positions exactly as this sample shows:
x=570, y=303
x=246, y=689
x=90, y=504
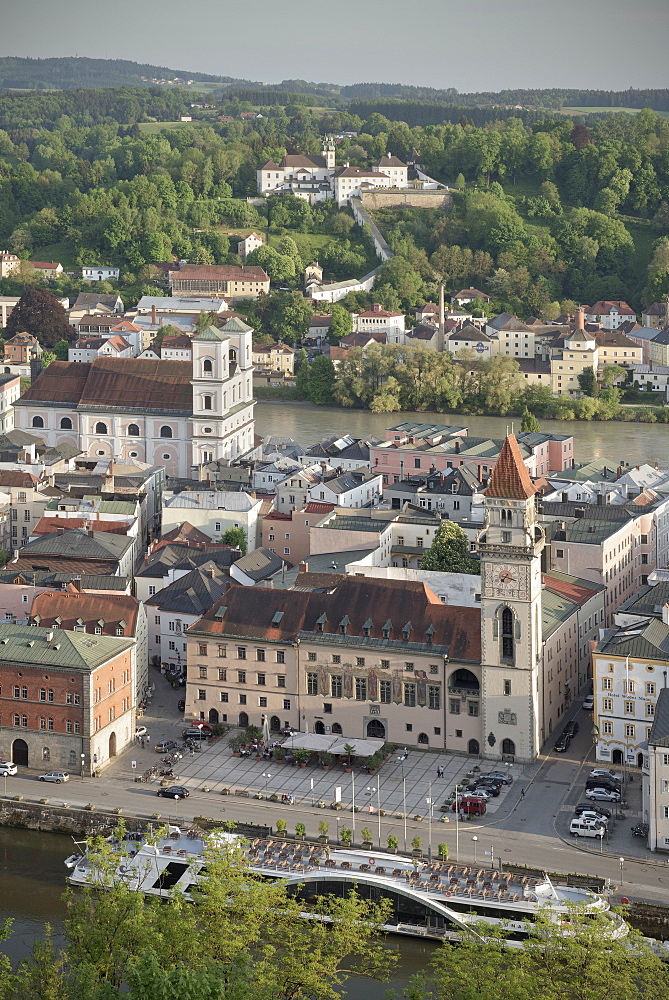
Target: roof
x=67, y=650
x=194, y=593
x=470, y=293
x=16, y=478
x=608, y=306
x=85, y=299
x=510, y=478
x=66, y=609
x=211, y=334
x=389, y=161
x=260, y=564
x=300, y=160
x=48, y=525
x=115, y=383
x=648, y=640
x=574, y=588
x=659, y=733
x=648, y=601
x=408, y=612
x=211, y=500
x=220, y=272
x=470, y=332
x=614, y=338
x=78, y=544
x=655, y=309
x=56, y=578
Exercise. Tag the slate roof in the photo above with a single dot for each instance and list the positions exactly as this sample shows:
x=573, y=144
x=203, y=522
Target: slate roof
x=194, y=593
x=510, y=479
x=57, y=578
x=261, y=564
x=78, y=544
x=67, y=650
x=340, y=447
x=659, y=733
x=389, y=161
x=87, y=299
x=249, y=612
x=648, y=601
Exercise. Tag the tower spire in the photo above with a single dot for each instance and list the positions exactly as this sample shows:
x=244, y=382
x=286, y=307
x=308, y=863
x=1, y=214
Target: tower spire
x=510, y=479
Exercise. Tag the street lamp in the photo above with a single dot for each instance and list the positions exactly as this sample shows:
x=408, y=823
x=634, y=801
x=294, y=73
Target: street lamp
x=83, y=758
x=378, y=804
x=353, y=805
x=622, y=865
x=404, y=806
x=475, y=842
x=429, y=820
x=266, y=777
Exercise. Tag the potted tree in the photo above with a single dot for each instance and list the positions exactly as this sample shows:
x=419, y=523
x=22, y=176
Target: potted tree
x=443, y=851
x=300, y=831
x=279, y=755
x=416, y=845
x=236, y=744
x=346, y=836
x=302, y=757
x=281, y=827
x=393, y=843
x=349, y=750
x=366, y=839
x=323, y=832
x=325, y=759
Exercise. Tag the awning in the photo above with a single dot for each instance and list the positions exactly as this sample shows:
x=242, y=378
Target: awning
x=317, y=743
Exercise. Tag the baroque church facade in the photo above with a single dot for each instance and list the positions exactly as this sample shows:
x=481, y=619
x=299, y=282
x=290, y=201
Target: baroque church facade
x=178, y=414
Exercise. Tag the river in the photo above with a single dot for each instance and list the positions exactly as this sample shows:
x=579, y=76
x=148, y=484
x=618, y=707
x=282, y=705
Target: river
x=628, y=442
x=32, y=875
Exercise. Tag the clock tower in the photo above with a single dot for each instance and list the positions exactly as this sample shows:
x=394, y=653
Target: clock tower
x=510, y=546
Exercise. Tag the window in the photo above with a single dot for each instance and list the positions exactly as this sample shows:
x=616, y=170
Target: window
x=408, y=666
x=222, y=652
x=65, y=424
x=133, y=430
x=222, y=674
x=201, y=694
x=17, y=691
x=650, y=710
x=280, y=656
x=335, y=685
x=311, y=657
x=385, y=664
x=68, y=726
x=650, y=688
x=241, y=676
x=207, y=367
x=286, y=704
x=203, y=673
x=607, y=683
x=202, y=649
x=224, y=695
x=101, y=428
x=206, y=402
x=37, y=422
x=608, y=728
x=385, y=692
x=262, y=702
x=242, y=699
x=49, y=695
x=507, y=635
x=629, y=708
x=472, y=708
x=506, y=536
x=630, y=732
x=336, y=658
x=165, y=431
x=327, y=709
x=281, y=680
x=454, y=706
x=507, y=688
x=628, y=687
x=360, y=688
x=241, y=652
x=312, y=683
x=434, y=696
x=360, y=661
x=410, y=695
x=607, y=705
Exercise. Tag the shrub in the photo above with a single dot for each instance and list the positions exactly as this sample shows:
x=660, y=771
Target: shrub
x=366, y=833
x=443, y=850
x=323, y=827
x=393, y=842
x=281, y=826
x=416, y=843
x=346, y=835
x=300, y=829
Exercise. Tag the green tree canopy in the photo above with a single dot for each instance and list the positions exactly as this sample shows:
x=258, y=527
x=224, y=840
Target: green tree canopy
x=529, y=422
x=235, y=537
x=449, y=552
x=40, y=313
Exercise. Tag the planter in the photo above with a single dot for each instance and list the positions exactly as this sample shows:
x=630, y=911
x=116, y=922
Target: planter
x=206, y=788
x=301, y=765
x=335, y=805
x=417, y=853
x=18, y=798
x=323, y=838
x=367, y=845
x=90, y=807
x=348, y=769
x=235, y=753
x=274, y=797
x=326, y=767
x=118, y=810
x=300, y=836
x=382, y=812
x=418, y=819
x=225, y=791
x=44, y=801
x=320, y=805
x=155, y=816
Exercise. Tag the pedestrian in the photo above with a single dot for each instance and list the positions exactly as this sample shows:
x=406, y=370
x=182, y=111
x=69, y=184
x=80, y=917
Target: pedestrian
x=148, y=739
x=522, y=793
x=142, y=742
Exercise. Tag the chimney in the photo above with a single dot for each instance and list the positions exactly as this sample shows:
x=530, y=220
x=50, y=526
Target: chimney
x=457, y=447
x=303, y=567
x=60, y=531
x=580, y=318
x=49, y=636
x=565, y=497
x=153, y=315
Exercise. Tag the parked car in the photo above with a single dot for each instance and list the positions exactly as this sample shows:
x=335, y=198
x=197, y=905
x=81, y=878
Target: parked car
x=481, y=792
x=166, y=746
x=589, y=702
x=473, y=805
x=487, y=787
x=602, y=772
x=502, y=776
x=602, y=794
x=181, y=705
x=140, y=731
x=7, y=767
x=195, y=733
x=578, y=828
x=571, y=728
x=57, y=776
x=588, y=807
x=562, y=744
x=494, y=786
x=602, y=783
x=592, y=816
x=173, y=792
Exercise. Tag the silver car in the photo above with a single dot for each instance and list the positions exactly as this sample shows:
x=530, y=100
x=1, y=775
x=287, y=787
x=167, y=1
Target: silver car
x=57, y=776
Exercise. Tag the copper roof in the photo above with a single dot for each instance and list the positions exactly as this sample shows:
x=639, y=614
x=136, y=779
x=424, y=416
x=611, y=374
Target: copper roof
x=92, y=609
x=510, y=478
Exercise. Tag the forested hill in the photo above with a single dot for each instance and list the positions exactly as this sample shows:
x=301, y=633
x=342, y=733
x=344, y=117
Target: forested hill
x=71, y=72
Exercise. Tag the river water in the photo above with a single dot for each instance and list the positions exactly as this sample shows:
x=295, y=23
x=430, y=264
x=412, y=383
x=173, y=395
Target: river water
x=618, y=442
x=32, y=876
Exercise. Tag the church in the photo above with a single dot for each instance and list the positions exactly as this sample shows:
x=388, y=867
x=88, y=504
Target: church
x=178, y=414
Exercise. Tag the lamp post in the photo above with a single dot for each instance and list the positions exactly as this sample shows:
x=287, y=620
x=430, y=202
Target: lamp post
x=622, y=865
x=429, y=827
x=266, y=776
x=404, y=806
x=475, y=841
x=457, y=826
x=378, y=804
x=353, y=805
x=83, y=759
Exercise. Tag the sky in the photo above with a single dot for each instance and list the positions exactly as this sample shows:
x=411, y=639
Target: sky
x=472, y=45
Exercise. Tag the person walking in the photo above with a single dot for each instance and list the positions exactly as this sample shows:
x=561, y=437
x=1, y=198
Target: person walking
x=142, y=742
x=522, y=794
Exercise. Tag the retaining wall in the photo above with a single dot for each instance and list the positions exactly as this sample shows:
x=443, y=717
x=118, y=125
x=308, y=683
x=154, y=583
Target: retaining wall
x=417, y=199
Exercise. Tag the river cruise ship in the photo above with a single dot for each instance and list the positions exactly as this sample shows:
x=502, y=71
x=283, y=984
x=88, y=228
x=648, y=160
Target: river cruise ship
x=433, y=899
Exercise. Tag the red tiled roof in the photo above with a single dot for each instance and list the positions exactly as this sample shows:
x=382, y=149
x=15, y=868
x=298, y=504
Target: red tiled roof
x=606, y=305
x=90, y=608
x=278, y=515
x=250, y=610
x=572, y=591
x=48, y=525
x=13, y=477
x=510, y=479
x=314, y=507
x=184, y=532
x=219, y=272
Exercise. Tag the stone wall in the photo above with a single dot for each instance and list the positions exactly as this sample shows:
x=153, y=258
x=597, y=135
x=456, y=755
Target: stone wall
x=417, y=199
x=54, y=819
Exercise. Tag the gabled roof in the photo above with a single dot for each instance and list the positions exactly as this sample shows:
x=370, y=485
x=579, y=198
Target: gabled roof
x=261, y=564
x=659, y=733
x=78, y=544
x=510, y=479
x=194, y=593
x=108, y=612
x=604, y=306
x=220, y=272
x=389, y=161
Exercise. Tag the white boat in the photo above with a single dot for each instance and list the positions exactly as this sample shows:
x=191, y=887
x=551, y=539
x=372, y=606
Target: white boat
x=430, y=899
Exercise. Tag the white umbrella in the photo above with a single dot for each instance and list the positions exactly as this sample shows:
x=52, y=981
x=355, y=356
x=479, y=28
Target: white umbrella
x=265, y=729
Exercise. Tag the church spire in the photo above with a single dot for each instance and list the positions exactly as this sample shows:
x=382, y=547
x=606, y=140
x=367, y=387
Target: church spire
x=510, y=479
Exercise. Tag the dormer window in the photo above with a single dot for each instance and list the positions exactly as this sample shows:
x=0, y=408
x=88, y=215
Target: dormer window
x=367, y=628
x=344, y=624
x=320, y=622
x=387, y=629
x=406, y=631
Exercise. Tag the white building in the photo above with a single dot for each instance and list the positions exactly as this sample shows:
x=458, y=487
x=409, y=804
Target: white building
x=213, y=512
x=655, y=779
x=100, y=273
x=380, y=320
x=609, y=314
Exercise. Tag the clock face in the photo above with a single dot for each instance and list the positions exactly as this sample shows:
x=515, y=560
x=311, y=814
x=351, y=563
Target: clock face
x=505, y=576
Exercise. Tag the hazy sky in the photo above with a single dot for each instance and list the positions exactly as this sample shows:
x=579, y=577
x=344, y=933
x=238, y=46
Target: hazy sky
x=466, y=44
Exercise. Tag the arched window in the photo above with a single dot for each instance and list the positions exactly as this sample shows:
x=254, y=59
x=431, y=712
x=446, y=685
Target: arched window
x=38, y=422
x=133, y=430
x=207, y=367
x=336, y=728
x=507, y=635
x=206, y=403
x=508, y=747
x=101, y=428
x=423, y=738
x=65, y=424
x=165, y=431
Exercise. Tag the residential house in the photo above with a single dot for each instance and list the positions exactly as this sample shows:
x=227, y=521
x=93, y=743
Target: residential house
x=86, y=349
x=615, y=348
x=275, y=357
x=22, y=348
x=470, y=338
x=46, y=269
x=643, y=336
x=289, y=533
x=344, y=452
x=360, y=488
x=213, y=512
x=7, y=304
x=319, y=327
x=9, y=263
x=377, y=319
x=98, y=614
x=656, y=315
x=655, y=778
x=397, y=170
x=659, y=349
x=92, y=552
x=455, y=494
x=513, y=337
x=67, y=699
x=467, y=295
x=10, y=390
x=258, y=568
x=94, y=273
x=177, y=348
x=609, y=314
x=248, y=244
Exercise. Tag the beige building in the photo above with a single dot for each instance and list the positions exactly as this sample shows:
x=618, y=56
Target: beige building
x=655, y=780
x=288, y=534
x=219, y=281
x=275, y=357
x=567, y=363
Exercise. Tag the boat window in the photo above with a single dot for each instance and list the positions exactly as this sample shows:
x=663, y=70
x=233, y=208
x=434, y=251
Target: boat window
x=170, y=875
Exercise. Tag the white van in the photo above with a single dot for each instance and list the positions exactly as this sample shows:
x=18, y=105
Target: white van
x=580, y=828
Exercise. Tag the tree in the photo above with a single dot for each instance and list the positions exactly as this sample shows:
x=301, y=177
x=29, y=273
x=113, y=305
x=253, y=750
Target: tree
x=40, y=313
x=587, y=381
x=341, y=324
x=60, y=350
x=529, y=422
x=320, y=380
x=449, y=552
x=235, y=537
x=612, y=375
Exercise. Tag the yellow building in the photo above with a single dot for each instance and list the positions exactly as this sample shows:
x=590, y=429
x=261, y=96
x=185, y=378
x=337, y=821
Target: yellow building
x=578, y=353
x=275, y=357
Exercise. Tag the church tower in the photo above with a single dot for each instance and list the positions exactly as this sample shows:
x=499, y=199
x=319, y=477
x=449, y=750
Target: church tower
x=510, y=546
